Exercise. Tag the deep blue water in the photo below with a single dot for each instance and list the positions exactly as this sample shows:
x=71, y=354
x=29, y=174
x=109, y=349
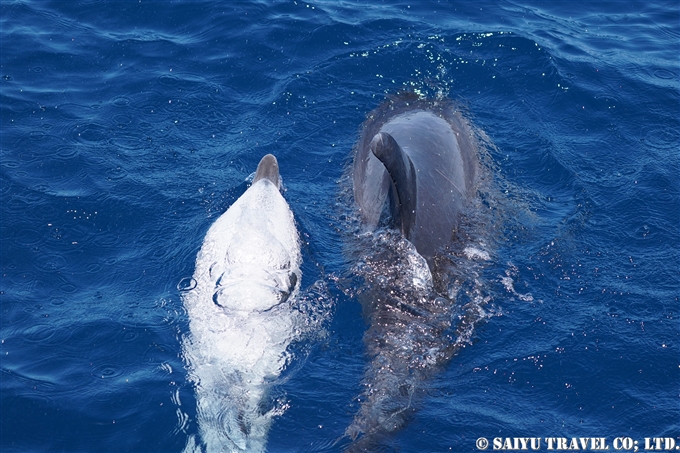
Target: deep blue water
x=128, y=127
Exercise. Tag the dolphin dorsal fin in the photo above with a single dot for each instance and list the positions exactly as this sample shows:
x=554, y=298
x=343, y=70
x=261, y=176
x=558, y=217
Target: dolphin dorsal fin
x=268, y=168
x=403, y=175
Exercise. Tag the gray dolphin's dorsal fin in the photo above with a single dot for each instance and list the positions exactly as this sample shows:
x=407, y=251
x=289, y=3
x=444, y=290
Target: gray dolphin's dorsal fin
x=403, y=175
x=268, y=168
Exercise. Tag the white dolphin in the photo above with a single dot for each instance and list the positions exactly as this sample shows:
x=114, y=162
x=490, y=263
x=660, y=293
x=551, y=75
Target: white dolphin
x=241, y=320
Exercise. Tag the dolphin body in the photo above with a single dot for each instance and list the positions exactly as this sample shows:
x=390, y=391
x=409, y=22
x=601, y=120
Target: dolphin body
x=414, y=169
x=240, y=316
x=419, y=159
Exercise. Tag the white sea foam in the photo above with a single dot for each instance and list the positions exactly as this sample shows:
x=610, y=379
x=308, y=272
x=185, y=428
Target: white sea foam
x=509, y=284
x=473, y=253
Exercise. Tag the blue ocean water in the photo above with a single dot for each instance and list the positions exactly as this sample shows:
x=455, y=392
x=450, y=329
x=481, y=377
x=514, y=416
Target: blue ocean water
x=128, y=127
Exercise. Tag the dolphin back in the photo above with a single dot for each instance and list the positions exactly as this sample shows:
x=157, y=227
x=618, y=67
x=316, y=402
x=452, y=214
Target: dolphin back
x=241, y=316
x=414, y=169
x=417, y=160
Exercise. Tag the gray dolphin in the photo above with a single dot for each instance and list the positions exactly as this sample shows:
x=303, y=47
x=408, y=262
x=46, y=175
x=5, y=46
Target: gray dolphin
x=417, y=158
x=415, y=167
